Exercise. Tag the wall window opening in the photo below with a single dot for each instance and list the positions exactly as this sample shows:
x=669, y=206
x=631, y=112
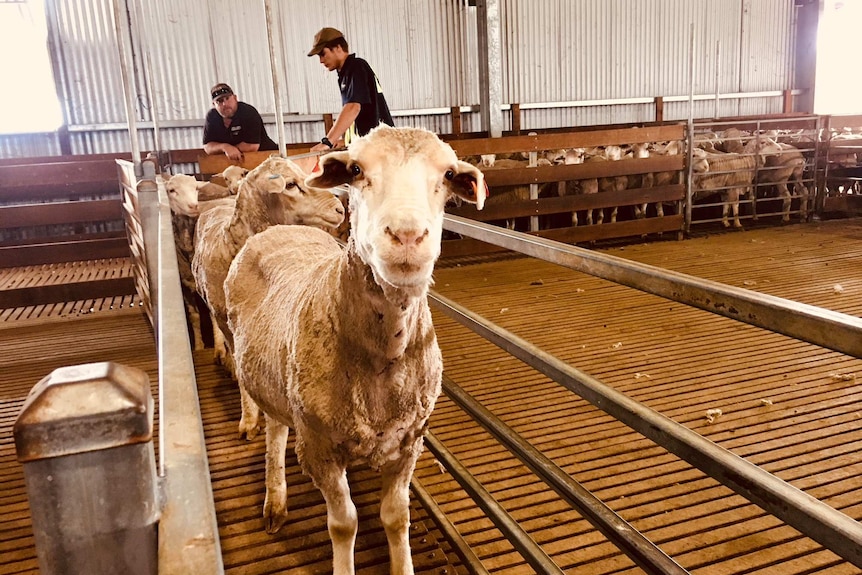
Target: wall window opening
x=28, y=101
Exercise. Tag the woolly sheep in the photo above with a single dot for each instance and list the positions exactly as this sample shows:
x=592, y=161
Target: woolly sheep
x=184, y=199
x=338, y=344
x=732, y=175
x=232, y=176
x=783, y=169
x=273, y=193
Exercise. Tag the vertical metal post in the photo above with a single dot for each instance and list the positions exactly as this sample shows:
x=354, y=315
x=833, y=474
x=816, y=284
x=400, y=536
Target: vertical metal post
x=717, y=113
x=490, y=67
x=273, y=63
x=690, y=131
x=124, y=47
x=85, y=438
x=534, y=188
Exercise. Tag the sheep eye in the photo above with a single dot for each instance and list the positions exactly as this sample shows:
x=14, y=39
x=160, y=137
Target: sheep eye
x=450, y=175
x=290, y=185
x=355, y=169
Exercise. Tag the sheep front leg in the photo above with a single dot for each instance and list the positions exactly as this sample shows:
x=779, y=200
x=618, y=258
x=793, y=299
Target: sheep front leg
x=275, y=503
x=342, y=520
x=395, y=514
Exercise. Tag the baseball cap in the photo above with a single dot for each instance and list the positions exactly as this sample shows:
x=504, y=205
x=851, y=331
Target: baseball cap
x=324, y=37
x=220, y=89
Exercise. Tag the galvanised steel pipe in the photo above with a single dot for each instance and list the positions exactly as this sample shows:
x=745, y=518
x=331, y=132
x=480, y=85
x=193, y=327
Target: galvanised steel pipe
x=471, y=561
x=520, y=539
x=618, y=531
x=822, y=523
x=830, y=329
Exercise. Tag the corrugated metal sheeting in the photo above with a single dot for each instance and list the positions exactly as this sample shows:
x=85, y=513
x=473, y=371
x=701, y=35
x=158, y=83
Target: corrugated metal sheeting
x=425, y=54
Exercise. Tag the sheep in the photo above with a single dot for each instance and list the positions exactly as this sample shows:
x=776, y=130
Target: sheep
x=272, y=193
x=708, y=141
x=338, y=344
x=231, y=175
x=781, y=169
x=184, y=198
x=732, y=175
x=585, y=186
x=668, y=177
x=576, y=187
x=733, y=141
x=647, y=180
x=519, y=192
x=604, y=184
x=838, y=158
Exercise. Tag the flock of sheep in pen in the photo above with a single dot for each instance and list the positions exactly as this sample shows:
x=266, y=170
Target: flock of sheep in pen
x=732, y=165
x=333, y=342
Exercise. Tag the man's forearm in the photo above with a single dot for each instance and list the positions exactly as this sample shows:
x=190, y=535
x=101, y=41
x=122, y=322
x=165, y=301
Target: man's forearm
x=348, y=114
x=247, y=147
x=214, y=148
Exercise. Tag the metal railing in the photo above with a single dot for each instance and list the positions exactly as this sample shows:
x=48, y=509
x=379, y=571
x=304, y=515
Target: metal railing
x=831, y=528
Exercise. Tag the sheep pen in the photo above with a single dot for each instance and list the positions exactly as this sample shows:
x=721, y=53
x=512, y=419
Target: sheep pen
x=338, y=344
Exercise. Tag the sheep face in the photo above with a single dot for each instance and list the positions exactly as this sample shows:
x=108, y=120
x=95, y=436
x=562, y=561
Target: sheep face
x=488, y=160
x=182, y=192
x=699, y=161
x=574, y=156
x=289, y=200
x=640, y=150
x=400, y=179
x=232, y=176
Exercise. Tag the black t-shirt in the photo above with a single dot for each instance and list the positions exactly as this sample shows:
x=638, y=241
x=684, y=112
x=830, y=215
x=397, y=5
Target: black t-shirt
x=359, y=84
x=246, y=126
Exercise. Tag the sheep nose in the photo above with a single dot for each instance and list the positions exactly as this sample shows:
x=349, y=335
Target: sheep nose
x=407, y=236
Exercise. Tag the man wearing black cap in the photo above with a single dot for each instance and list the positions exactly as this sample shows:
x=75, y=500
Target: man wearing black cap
x=364, y=106
x=233, y=127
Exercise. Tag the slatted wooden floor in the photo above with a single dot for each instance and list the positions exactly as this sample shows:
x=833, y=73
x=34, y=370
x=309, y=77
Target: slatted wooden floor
x=790, y=407
x=65, y=274
x=31, y=349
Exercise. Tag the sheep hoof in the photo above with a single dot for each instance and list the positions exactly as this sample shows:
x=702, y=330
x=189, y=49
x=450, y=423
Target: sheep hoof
x=274, y=514
x=248, y=431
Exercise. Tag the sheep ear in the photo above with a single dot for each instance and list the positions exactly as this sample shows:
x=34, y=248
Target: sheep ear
x=469, y=184
x=332, y=172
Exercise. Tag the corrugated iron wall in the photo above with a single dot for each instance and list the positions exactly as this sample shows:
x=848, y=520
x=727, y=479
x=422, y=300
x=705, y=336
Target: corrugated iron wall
x=425, y=54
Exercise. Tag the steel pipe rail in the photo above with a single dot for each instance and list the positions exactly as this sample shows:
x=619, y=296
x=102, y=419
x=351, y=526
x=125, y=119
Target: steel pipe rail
x=471, y=561
x=822, y=523
x=618, y=531
x=520, y=539
x=188, y=530
x=830, y=329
